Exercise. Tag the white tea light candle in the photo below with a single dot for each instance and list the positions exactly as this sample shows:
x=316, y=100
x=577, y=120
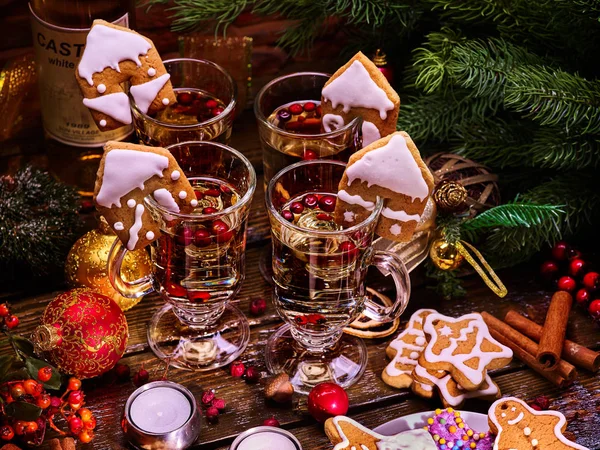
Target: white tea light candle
x=266, y=438
x=160, y=410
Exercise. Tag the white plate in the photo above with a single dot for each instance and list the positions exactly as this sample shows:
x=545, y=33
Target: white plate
x=476, y=421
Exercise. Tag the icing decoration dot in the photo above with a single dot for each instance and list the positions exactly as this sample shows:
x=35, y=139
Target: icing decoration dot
x=131, y=203
x=414, y=355
x=194, y=203
x=513, y=409
x=430, y=421
x=149, y=235
x=436, y=437
x=534, y=442
x=442, y=441
x=165, y=101
x=469, y=433
x=443, y=421
x=526, y=431
x=461, y=425
x=438, y=411
x=103, y=123
x=450, y=410
x=503, y=414
x=175, y=175
x=452, y=429
x=182, y=194
x=119, y=226
x=101, y=88
x=151, y=72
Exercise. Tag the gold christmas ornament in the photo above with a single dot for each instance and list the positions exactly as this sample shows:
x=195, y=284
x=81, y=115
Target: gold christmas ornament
x=450, y=196
x=445, y=255
x=86, y=264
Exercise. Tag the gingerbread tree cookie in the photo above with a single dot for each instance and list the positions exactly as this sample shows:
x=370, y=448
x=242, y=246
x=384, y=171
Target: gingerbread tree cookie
x=392, y=169
x=347, y=434
x=127, y=174
x=463, y=347
x=518, y=426
x=359, y=89
x=112, y=56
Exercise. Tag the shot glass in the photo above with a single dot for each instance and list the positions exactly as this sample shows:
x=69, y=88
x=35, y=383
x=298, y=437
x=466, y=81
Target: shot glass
x=205, y=108
x=319, y=270
x=198, y=261
x=283, y=146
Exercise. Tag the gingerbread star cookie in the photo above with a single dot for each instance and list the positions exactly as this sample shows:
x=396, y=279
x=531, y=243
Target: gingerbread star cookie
x=127, y=174
x=359, y=89
x=520, y=427
x=405, y=351
x=392, y=169
x=463, y=347
x=114, y=55
x=347, y=434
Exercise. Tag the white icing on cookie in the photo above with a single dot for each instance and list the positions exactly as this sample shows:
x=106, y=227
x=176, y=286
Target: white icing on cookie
x=475, y=324
x=175, y=175
x=165, y=101
x=355, y=88
x=151, y=71
x=119, y=226
x=145, y=93
x=445, y=330
x=355, y=200
x=182, y=194
x=149, y=235
x=516, y=419
x=393, y=167
x=395, y=229
x=136, y=227
x=166, y=200
x=101, y=88
x=332, y=122
x=103, y=123
x=526, y=430
x=114, y=105
x=399, y=215
x=370, y=133
x=349, y=216
x=125, y=170
x=107, y=47
x=131, y=203
x=194, y=203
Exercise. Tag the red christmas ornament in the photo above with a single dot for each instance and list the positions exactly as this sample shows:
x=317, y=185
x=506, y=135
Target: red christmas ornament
x=594, y=309
x=380, y=60
x=566, y=284
x=591, y=280
x=582, y=297
x=576, y=267
x=549, y=270
x=327, y=400
x=560, y=251
x=83, y=333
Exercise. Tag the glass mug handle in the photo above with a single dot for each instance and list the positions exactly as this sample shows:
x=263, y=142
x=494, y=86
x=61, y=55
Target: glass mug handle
x=390, y=264
x=129, y=289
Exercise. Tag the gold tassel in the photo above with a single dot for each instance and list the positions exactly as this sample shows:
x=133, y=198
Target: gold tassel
x=496, y=285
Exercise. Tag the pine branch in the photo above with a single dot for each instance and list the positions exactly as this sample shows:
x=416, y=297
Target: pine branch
x=514, y=215
x=446, y=282
x=556, y=149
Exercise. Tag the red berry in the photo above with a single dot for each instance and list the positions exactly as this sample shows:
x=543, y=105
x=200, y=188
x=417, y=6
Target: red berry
x=209, y=210
x=348, y=248
x=123, y=371
x=542, y=401
x=315, y=318
x=594, y=309
x=208, y=397
x=74, y=384
x=219, y=403
x=141, y=377
x=559, y=251
x=309, y=155
x=591, y=280
x=210, y=104
x=582, y=296
x=566, y=284
x=90, y=424
x=212, y=193
x=17, y=391
x=20, y=426
x=309, y=106
x=296, y=109
x=319, y=111
x=216, y=111
x=201, y=237
x=6, y=433
x=184, y=236
x=576, y=267
x=176, y=290
x=85, y=436
x=44, y=374
x=55, y=402
x=75, y=397
x=221, y=230
x=271, y=422
x=252, y=375
x=43, y=401
x=323, y=216
x=327, y=203
x=297, y=207
x=85, y=414
x=4, y=311
x=185, y=98
x=198, y=296
x=258, y=306
x=287, y=215
x=225, y=189
x=549, y=270
x=75, y=424
x=11, y=322
x=237, y=369
x=536, y=406
x=212, y=414
x=32, y=427
x=199, y=195
x=301, y=119
x=310, y=201
x=301, y=320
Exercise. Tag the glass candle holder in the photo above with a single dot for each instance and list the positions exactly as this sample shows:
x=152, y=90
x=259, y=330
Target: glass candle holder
x=205, y=108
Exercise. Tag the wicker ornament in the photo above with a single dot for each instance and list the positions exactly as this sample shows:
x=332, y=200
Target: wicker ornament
x=481, y=185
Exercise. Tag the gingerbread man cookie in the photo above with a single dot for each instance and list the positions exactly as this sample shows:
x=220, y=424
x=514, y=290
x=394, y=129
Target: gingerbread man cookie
x=114, y=55
x=347, y=434
x=463, y=347
x=518, y=426
x=390, y=168
x=127, y=174
x=405, y=351
x=359, y=89
x=451, y=432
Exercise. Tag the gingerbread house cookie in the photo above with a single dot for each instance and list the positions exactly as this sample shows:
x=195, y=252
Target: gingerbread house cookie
x=112, y=56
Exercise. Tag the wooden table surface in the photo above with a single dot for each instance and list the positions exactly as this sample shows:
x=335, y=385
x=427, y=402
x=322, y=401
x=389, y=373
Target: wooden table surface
x=372, y=401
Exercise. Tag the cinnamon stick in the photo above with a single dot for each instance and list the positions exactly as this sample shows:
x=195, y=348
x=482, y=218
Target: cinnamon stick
x=525, y=349
x=554, y=330
x=576, y=354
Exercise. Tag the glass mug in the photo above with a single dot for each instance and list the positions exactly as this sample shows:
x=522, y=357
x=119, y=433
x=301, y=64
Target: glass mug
x=198, y=261
x=195, y=119
x=319, y=271
x=282, y=148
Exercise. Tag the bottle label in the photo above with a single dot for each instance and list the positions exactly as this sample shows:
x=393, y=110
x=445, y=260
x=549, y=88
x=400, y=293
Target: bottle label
x=57, y=53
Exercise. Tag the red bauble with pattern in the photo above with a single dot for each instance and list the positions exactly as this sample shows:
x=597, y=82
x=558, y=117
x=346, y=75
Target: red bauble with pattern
x=83, y=333
x=327, y=400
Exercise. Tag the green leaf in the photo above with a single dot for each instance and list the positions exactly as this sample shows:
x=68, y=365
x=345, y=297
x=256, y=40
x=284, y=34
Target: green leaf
x=6, y=363
x=34, y=365
x=23, y=411
x=23, y=347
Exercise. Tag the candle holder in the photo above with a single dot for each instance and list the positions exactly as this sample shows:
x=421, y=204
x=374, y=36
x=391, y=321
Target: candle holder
x=161, y=415
x=266, y=438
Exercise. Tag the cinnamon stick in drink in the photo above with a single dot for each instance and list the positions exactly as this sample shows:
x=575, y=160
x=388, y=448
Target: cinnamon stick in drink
x=576, y=354
x=554, y=330
x=525, y=349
